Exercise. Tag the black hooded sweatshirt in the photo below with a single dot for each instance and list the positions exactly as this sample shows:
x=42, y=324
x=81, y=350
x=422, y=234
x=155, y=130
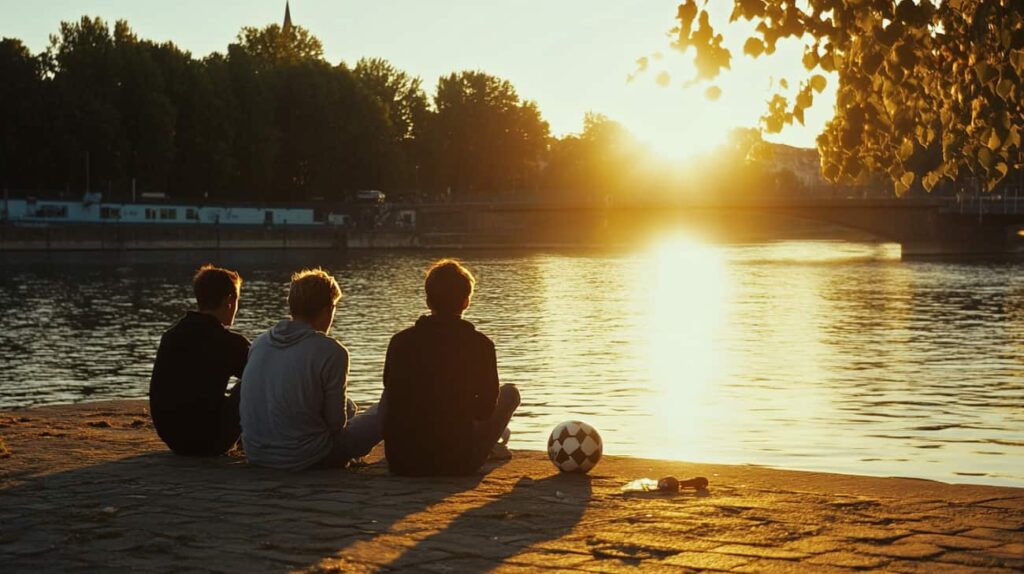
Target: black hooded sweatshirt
x=440, y=376
x=196, y=359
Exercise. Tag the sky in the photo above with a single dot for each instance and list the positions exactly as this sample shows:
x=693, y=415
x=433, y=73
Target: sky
x=570, y=56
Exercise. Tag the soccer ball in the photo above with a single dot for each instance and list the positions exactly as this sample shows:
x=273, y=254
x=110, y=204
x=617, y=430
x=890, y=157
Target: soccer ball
x=574, y=446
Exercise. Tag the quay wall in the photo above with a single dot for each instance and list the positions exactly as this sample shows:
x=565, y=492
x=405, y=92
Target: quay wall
x=150, y=237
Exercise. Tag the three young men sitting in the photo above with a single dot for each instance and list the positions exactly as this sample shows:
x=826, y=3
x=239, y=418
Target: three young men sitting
x=441, y=412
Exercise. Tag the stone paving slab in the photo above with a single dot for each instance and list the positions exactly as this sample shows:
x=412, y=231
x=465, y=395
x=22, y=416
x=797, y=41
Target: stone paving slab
x=90, y=488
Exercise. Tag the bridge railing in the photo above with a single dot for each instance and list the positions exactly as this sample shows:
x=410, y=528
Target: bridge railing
x=1011, y=203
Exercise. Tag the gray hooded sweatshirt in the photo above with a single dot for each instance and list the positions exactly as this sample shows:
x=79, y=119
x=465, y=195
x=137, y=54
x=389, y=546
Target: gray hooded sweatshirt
x=293, y=396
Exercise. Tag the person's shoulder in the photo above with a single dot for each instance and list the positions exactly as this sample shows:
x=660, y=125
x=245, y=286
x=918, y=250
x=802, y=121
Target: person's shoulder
x=482, y=339
x=329, y=345
x=405, y=334
x=177, y=326
x=261, y=340
x=237, y=338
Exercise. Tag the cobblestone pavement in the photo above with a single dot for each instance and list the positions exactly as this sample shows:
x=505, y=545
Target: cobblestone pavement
x=89, y=487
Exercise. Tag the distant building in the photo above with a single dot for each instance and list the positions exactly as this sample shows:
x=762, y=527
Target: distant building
x=287, y=26
x=804, y=163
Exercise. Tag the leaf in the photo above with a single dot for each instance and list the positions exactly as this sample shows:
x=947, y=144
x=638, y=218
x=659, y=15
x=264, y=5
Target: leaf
x=663, y=79
x=810, y=59
x=783, y=83
x=907, y=179
x=818, y=82
x=1001, y=169
x=1013, y=139
x=798, y=113
x=994, y=141
x=713, y=93
x=871, y=62
x=906, y=150
x=804, y=99
x=1017, y=60
x=985, y=72
x=1004, y=88
x=930, y=180
x=903, y=183
x=753, y=47
x=827, y=62
x=986, y=158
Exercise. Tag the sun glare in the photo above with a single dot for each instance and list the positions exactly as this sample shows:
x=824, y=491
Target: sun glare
x=687, y=309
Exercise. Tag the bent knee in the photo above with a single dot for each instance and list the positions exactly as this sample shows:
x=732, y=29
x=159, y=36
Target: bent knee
x=510, y=393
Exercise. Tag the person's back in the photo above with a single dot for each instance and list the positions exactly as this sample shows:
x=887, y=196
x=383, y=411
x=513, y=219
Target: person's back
x=444, y=407
x=294, y=410
x=194, y=363
x=295, y=375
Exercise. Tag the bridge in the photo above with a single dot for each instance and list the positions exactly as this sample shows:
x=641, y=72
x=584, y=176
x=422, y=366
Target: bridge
x=924, y=227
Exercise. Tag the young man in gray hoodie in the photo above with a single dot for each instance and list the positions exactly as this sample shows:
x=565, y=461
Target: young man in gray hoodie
x=294, y=410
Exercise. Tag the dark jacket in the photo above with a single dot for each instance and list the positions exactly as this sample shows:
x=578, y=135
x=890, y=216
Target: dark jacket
x=196, y=359
x=440, y=376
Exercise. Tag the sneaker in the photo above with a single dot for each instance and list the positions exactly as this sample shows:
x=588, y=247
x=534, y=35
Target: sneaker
x=505, y=434
x=499, y=452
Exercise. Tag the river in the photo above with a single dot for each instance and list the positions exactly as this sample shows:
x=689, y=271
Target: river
x=817, y=355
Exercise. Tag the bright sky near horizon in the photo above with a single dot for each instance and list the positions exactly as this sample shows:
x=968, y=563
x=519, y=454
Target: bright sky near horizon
x=570, y=56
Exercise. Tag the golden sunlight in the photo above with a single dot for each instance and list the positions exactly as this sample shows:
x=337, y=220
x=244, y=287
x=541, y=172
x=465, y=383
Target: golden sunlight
x=687, y=309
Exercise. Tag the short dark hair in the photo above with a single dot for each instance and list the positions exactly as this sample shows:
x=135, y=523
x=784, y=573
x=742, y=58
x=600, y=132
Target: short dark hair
x=311, y=291
x=213, y=284
x=448, y=285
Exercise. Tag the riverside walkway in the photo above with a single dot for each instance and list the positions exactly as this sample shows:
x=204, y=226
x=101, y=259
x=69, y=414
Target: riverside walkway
x=91, y=488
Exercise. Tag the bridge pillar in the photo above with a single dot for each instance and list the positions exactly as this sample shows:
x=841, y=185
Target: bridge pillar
x=964, y=235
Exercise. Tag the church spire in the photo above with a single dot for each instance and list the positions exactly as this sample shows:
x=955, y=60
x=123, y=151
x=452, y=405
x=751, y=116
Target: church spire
x=287, y=27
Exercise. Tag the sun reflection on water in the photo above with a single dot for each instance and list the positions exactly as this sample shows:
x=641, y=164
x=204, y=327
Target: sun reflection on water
x=685, y=313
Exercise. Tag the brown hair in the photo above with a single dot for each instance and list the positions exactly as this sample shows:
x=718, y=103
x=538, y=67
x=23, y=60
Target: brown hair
x=448, y=285
x=212, y=284
x=312, y=290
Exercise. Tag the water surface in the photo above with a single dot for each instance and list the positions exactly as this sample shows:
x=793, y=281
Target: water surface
x=813, y=355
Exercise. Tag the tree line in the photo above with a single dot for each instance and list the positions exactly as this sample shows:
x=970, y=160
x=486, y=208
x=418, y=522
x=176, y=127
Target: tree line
x=270, y=120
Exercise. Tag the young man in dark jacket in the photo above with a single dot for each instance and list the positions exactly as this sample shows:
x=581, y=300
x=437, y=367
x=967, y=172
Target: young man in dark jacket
x=445, y=410
x=192, y=411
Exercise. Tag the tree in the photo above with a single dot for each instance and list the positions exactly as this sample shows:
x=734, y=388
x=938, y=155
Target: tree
x=400, y=94
x=404, y=106
x=485, y=138
x=600, y=163
x=273, y=45
x=913, y=75
x=147, y=116
x=85, y=105
x=23, y=147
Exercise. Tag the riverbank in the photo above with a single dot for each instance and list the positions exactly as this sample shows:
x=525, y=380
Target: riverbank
x=90, y=487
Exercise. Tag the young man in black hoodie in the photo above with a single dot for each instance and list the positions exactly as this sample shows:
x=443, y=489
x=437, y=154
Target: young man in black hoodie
x=445, y=410
x=196, y=359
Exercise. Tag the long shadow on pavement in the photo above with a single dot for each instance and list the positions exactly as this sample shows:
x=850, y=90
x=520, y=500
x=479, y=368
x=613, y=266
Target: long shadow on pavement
x=480, y=539
x=158, y=511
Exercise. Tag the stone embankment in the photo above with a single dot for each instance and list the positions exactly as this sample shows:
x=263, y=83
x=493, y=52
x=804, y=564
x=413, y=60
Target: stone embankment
x=90, y=488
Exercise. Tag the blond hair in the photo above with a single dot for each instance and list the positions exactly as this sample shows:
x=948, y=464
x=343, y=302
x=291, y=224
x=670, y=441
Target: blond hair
x=311, y=291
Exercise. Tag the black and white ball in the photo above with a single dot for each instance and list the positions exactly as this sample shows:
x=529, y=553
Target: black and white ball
x=574, y=446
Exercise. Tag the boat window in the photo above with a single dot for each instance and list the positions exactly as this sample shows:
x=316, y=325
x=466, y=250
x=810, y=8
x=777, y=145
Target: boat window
x=168, y=213
x=52, y=211
x=150, y=213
